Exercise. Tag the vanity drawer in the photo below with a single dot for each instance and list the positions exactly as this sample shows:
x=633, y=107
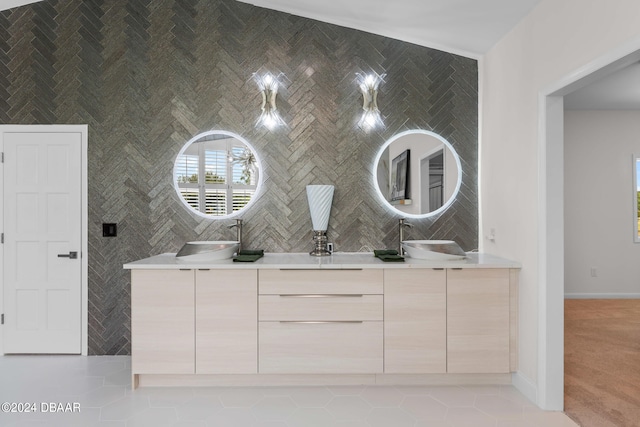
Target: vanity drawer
x=320, y=307
x=356, y=281
x=320, y=348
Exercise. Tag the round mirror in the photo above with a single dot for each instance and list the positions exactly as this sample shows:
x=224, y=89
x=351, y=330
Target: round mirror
x=417, y=174
x=217, y=174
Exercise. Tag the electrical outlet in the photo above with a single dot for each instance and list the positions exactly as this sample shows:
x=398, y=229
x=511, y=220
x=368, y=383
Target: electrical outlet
x=594, y=272
x=330, y=247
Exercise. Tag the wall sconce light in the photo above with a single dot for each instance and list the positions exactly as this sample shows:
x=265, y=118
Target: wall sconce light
x=268, y=85
x=369, y=87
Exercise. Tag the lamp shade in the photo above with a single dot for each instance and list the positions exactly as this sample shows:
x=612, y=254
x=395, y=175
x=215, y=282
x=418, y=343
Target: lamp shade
x=320, y=198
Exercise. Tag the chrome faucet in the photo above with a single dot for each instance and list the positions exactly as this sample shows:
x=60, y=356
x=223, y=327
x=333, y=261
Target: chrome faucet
x=401, y=225
x=238, y=226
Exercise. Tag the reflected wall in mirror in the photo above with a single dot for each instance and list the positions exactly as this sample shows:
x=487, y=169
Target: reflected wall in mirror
x=636, y=198
x=417, y=173
x=217, y=174
x=400, y=177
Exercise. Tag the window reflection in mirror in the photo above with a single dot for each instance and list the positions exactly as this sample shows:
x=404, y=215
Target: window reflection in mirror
x=217, y=174
x=427, y=183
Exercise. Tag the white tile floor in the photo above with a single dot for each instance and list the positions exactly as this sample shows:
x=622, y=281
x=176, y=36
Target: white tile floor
x=101, y=387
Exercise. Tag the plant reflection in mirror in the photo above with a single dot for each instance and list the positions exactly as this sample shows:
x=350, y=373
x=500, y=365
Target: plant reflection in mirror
x=247, y=160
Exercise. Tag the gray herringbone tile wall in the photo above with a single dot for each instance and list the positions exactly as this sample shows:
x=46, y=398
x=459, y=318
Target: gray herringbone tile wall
x=146, y=76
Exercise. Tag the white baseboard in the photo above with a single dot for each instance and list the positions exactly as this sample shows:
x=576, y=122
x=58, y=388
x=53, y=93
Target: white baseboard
x=525, y=386
x=225, y=380
x=602, y=296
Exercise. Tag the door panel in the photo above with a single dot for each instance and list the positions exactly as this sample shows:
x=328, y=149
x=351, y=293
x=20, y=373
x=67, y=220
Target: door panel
x=415, y=321
x=163, y=322
x=42, y=213
x=27, y=309
x=478, y=320
x=227, y=322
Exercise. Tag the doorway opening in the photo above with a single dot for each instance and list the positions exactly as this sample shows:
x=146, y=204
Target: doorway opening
x=551, y=214
x=432, y=181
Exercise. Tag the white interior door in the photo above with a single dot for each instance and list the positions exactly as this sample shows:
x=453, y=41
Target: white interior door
x=42, y=213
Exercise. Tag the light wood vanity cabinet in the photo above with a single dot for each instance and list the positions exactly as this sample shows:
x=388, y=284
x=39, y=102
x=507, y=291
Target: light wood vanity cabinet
x=162, y=322
x=415, y=321
x=478, y=320
x=367, y=322
x=320, y=322
x=194, y=321
x=226, y=321
x=453, y=320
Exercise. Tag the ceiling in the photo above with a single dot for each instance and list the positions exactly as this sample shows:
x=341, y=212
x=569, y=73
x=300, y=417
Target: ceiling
x=464, y=27
x=617, y=91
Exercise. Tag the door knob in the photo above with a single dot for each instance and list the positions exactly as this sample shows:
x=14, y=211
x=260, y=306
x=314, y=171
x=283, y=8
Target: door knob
x=71, y=255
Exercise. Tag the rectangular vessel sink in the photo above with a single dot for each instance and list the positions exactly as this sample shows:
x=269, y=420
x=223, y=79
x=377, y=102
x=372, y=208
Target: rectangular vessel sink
x=437, y=250
x=207, y=250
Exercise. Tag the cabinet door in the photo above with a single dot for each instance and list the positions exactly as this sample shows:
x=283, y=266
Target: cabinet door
x=478, y=321
x=162, y=316
x=415, y=316
x=227, y=322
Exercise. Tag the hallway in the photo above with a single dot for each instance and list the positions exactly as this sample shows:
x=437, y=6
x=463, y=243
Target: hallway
x=602, y=362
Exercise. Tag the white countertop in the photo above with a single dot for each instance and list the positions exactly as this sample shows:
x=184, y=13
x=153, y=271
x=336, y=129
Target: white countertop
x=339, y=260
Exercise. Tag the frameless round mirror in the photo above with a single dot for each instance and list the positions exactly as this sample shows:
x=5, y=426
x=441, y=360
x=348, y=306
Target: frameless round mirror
x=417, y=174
x=217, y=174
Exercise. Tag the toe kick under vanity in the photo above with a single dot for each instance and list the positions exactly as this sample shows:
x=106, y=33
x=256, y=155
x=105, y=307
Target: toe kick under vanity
x=345, y=319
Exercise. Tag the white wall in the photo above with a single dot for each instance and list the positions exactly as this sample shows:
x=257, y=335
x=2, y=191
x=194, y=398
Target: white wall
x=549, y=46
x=599, y=202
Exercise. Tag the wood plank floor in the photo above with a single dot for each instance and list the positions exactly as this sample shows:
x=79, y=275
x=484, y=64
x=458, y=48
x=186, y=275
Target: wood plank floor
x=602, y=362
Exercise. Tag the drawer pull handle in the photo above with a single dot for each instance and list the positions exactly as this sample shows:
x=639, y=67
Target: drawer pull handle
x=320, y=321
x=321, y=295
x=321, y=269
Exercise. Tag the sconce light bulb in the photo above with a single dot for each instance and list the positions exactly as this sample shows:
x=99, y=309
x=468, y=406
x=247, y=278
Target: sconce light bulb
x=370, y=119
x=270, y=120
x=370, y=81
